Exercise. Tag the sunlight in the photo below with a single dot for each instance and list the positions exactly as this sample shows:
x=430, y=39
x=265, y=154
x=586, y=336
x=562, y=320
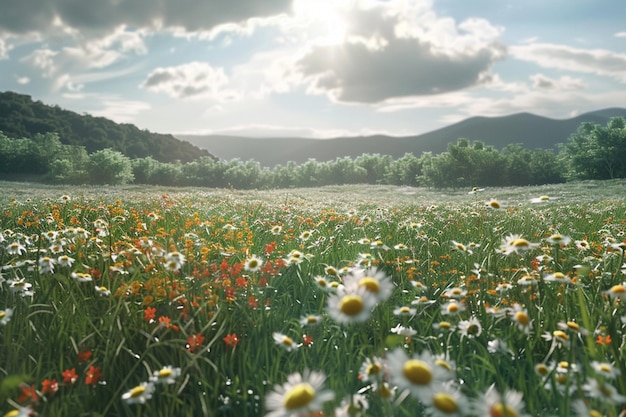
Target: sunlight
x=326, y=17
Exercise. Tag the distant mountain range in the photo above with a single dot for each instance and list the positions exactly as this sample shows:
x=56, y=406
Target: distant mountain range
x=529, y=130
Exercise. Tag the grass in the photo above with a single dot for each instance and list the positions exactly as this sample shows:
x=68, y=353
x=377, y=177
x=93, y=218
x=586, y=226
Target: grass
x=206, y=289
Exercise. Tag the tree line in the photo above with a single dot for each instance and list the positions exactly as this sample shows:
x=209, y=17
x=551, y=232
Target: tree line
x=593, y=152
x=21, y=117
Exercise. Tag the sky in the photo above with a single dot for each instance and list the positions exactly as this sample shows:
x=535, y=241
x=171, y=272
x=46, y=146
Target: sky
x=314, y=68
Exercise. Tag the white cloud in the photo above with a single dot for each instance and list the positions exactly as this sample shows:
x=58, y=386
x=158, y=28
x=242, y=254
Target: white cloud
x=42, y=59
x=620, y=35
x=593, y=61
x=195, y=79
x=22, y=80
x=4, y=49
x=394, y=49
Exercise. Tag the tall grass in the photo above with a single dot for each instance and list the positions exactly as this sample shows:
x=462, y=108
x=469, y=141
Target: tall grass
x=544, y=347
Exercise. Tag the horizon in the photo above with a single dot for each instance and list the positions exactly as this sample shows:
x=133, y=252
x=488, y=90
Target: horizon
x=323, y=69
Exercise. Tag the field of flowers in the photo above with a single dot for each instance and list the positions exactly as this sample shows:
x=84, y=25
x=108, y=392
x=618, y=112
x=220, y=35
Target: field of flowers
x=339, y=301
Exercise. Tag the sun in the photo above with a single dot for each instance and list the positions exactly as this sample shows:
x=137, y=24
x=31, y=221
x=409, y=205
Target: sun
x=325, y=17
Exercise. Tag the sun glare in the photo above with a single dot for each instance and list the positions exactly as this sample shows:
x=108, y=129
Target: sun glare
x=325, y=18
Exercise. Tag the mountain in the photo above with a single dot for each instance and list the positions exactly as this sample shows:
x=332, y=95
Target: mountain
x=529, y=130
x=21, y=117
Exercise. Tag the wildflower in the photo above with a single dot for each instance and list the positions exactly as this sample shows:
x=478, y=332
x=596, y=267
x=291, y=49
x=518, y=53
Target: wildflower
x=542, y=369
x=253, y=264
x=452, y=307
x=559, y=239
x=416, y=374
x=231, y=340
x=404, y=331
x=573, y=327
x=284, y=341
x=69, y=376
x=353, y=406
x=557, y=277
x=422, y=302
x=582, y=245
x=470, y=328
x=499, y=346
x=49, y=387
x=149, y=314
x=454, y=292
x=276, y=230
x=93, y=375
x=306, y=235
x=28, y=394
x=541, y=199
x=493, y=204
x=302, y=394
x=331, y=271
x=603, y=391
x=375, y=282
x=527, y=280
x=46, y=264
x=459, y=247
x=496, y=405
x=84, y=356
x=351, y=305
x=294, y=257
x=516, y=244
x=165, y=375
x=378, y=244
x=194, y=342
x=476, y=190
x=307, y=340
x=102, y=291
x=310, y=320
x=617, y=292
x=404, y=311
x=400, y=246
x=15, y=248
x=446, y=401
x=605, y=369
x=519, y=315
x=372, y=369
x=139, y=394
x=5, y=316
x=81, y=276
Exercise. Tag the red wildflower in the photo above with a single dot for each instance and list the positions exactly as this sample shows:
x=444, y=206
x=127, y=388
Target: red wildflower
x=269, y=248
x=49, y=387
x=603, y=340
x=84, y=356
x=253, y=302
x=307, y=340
x=194, y=342
x=93, y=375
x=29, y=393
x=165, y=321
x=69, y=376
x=241, y=282
x=231, y=340
x=149, y=314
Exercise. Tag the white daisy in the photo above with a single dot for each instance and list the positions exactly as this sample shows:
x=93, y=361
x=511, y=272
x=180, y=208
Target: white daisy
x=302, y=394
x=139, y=394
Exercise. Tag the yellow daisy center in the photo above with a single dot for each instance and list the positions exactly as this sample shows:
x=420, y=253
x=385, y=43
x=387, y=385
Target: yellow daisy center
x=544, y=198
x=520, y=243
x=573, y=325
x=405, y=310
x=445, y=324
x=542, y=369
x=453, y=308
x=311, y=320
x=287, y=341
x=605, y=368
x=594, y=413
x=299, y=396
x=384, y=391
x=522, y=318
x=502, y=410
x=559, y=275
x=370, y=283
x=374, y=369
x=253, y=263
x=494, y=204
x=445, y=403
x=137, y=391
x=417, y=372
x=2, y=314
x=560, y=335
x=12, y=413
x=563, y=365
x=618, y=289
x=443, y=364
x=165, y=373
x=351, y=305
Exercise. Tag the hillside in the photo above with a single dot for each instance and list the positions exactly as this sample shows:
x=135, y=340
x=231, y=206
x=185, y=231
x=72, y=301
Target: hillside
x=21, y=117
x=529, y=130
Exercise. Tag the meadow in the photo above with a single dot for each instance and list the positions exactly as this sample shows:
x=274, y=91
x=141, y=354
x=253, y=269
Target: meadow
x=335, y=301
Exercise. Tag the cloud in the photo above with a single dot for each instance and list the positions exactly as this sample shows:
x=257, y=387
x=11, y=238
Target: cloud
x=543, y=82
x=592, y=61
x=620, y=35
x=95, y=17
x=107, y=105
x=188, y=80
x=396, y=50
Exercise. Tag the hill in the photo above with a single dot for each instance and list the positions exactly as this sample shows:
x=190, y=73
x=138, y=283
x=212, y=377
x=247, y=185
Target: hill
x=529, y=130
x=21, y=117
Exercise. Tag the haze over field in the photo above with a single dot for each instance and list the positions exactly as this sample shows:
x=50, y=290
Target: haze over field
x=322, y=68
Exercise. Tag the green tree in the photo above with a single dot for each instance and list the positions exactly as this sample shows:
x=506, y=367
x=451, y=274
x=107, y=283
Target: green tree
x=107, y=166
x=597, y=152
